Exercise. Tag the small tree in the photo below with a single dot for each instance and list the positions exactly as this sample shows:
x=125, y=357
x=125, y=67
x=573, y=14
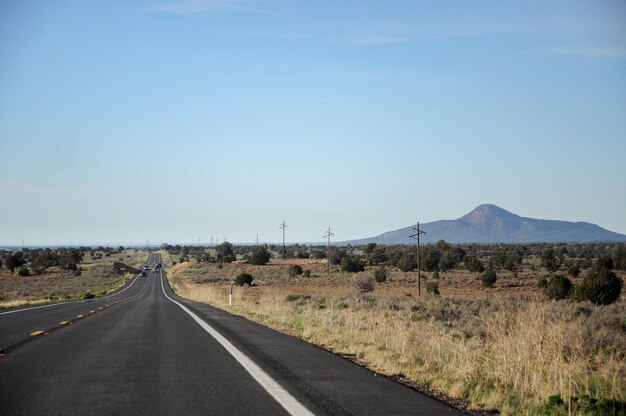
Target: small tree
x=549, y=261
x=15, y=260
x=380, y=275
x=225, y=253
x=294, y=270
x=432, y=288
x=244, y=279
x=558, y=287
x=336, y=255
x=489, y=278
x=23, y=271
x=260, y=256
x=351, y=264
x=600, y=286
x=474, y=265
x=407, y=262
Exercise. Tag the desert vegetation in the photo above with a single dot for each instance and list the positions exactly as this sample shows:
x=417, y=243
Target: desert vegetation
x=537, y=339
x=48, y=275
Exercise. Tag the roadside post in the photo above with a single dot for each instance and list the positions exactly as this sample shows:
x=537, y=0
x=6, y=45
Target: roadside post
x=230, y=295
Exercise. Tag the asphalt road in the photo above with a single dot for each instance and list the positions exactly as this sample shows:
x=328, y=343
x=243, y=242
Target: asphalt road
x=146, y=351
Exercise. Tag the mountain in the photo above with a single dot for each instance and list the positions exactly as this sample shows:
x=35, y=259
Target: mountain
x=492, y=224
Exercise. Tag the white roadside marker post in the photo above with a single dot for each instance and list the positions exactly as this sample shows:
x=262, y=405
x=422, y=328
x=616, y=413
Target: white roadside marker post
x=230, y=295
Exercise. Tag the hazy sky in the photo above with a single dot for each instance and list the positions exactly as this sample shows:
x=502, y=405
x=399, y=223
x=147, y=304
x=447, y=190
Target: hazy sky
x=123, y=121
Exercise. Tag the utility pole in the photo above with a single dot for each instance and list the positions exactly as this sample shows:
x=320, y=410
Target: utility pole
x=328, y=235
x=257, y=239
x=282, y=227
x=211, y=240
x=416, y=236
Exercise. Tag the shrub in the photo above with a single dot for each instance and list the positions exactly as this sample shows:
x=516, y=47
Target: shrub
x=292, y=298
x=407, y=262
x=243, y=279
x=558, y=287
x=489, y=278
x=351, y=264
x=225, y=252
x=260, y=256
x=363, y=283
x=174, y=263
x=294, y=270
x=336, y=255
x=600, y=286
x=23, y=271
x=89, y=295
x=574, y=269
x=307, y=273
x=474, y=265
x=542, y=282
x=432, y=288
x=15, y=261
x=380, y=275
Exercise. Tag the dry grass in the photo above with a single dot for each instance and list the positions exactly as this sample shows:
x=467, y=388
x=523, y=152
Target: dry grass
x=505, y=353
x=97, y=277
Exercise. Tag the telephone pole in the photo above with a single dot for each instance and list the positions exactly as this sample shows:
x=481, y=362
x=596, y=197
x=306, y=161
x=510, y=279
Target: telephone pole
x=328, y=235
x=416, y=236
x=282, y=227
x=257, y=239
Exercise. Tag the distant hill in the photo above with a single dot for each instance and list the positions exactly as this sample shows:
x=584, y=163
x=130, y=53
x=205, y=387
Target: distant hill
x=492, y=224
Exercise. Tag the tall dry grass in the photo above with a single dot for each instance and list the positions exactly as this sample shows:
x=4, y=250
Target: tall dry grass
x=508, y=355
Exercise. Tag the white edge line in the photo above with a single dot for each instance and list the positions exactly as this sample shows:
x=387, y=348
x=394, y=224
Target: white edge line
x=282, y=396
x=75, y=301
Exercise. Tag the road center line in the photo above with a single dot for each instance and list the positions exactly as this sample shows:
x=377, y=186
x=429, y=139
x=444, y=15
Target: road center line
x=282, y=396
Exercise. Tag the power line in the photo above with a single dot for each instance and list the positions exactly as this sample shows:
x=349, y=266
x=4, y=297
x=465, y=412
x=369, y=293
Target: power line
x=416, y=236
x=328, y=234
x=283, y=226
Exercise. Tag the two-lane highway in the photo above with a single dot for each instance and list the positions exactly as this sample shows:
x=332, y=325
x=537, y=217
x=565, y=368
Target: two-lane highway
x=155, y=353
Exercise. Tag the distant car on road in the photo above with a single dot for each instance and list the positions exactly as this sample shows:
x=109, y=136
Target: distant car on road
x=143, y=274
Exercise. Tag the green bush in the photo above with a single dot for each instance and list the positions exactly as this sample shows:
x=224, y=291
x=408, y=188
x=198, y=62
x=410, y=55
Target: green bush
x=351, y=264
x=558, y=287
x=293, y=298
x=336, y=255
x=89, y=295
x=244, y=279
x=432, y=288
x=23, y=271
x=407, y=262
x=380, y=275
x=600, y=286
x=260, y=256
x=474, y=265
x=294, y=270
x=307, y=273
x=489, y=278
x=225, y=252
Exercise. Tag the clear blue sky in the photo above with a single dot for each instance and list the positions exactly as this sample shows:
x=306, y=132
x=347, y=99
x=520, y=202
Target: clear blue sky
x=175, y=120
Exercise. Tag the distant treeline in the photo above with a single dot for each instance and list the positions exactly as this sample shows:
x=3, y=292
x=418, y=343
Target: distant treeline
x=441, y=256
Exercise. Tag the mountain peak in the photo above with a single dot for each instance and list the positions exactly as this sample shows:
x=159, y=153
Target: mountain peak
x=485, y=213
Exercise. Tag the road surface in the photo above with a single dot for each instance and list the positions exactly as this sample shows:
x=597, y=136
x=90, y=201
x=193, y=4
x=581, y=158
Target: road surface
x=144, y=350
